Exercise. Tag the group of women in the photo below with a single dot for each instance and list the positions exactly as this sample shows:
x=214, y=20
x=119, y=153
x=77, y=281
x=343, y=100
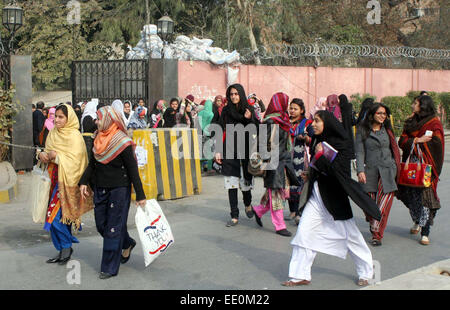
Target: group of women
x=318, y=197
x=79, y=181
x=100, y=172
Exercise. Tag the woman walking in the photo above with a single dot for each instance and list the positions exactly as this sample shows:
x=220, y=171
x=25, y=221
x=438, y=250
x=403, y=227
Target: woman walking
x=378, y=164
x=112, y=169
x=88, y=126
x=327, y=223
x=65, y=152
x=277, y=181
x=301, y=133
x=235, y=169
x=320, y=105
x=423, y=130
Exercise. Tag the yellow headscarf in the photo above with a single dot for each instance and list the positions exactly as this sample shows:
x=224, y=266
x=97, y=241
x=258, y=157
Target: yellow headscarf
x=70, y=148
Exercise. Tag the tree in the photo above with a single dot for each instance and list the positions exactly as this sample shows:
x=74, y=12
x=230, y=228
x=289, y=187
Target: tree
x=54, y=43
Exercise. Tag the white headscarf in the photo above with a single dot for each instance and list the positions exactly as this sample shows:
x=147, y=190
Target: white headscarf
x=117, y=105
x=89, y=110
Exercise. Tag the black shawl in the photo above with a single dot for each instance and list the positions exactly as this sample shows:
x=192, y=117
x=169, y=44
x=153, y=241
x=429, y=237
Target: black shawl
x=337, y=185
x=347, y=120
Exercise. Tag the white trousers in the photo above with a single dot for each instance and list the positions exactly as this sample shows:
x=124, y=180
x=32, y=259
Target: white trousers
x=319, y=232
x=303, y=259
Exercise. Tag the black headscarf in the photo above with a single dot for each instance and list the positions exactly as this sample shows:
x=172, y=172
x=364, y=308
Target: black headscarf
x=365, y=106
x=333, y=133
x=347, y=115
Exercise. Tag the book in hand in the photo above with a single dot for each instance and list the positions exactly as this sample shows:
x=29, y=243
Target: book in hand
x=328, y=151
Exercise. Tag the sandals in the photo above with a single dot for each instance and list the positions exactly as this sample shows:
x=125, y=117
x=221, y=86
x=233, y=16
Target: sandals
x=375, y=242
x=363, y=282
x=249, y=212
x=415, y=229
x=231, y=223
x=424, y=240
x=293, y=283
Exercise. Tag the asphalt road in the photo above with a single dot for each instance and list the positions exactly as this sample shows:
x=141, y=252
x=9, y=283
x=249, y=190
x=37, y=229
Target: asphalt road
x=207, y=255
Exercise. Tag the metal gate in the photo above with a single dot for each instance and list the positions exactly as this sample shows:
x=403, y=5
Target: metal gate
x=108, y=80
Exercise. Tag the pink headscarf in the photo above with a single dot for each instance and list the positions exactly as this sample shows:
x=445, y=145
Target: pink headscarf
x=319, y=106
x=50, y=121
x=333, y=106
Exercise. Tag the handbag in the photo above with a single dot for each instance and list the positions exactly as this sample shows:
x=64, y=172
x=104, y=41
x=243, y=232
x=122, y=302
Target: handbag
x=257, y=165
x=154, y=230
x=40, y=192
x=415, y=174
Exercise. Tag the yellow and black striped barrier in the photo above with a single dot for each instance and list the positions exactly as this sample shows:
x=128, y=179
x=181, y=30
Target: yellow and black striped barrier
x=169, y=162
x=8, y=195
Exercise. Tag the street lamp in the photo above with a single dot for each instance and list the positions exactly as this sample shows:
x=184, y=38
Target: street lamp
x=165, y=30
x=12, y=19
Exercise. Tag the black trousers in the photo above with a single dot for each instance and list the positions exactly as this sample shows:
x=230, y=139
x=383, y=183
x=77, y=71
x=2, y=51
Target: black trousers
x=233, y=198
x=111, y=215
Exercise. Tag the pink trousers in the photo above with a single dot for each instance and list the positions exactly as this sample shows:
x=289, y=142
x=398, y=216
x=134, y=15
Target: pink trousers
x=277, y=216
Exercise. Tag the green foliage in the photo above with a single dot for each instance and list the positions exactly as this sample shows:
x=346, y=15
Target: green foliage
x=54, y=43
x=356, y=100
x=400, y=109
x=8, y=109
x=445, y=101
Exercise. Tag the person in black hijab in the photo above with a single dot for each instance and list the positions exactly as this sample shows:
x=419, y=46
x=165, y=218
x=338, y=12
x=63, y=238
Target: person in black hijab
x=235, y=169
x=347, y=116
x=170, y=115
x=365, y=106
x=327, y=223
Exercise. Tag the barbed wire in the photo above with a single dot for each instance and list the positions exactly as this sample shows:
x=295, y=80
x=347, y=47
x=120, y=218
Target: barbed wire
x=336, y=51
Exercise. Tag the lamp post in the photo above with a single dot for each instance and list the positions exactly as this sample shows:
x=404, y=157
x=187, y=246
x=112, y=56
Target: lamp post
x=165, y=30
x=12, y=20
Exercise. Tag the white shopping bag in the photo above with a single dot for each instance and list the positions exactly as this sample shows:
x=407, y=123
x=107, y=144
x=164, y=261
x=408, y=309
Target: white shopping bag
x=154, y=231
x=40, y=192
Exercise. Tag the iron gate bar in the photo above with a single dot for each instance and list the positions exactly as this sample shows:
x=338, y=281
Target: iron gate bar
x=109, y=80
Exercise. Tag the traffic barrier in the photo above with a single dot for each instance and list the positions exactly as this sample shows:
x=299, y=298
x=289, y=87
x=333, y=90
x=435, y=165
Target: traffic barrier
x=169, y=162
x=8, y=195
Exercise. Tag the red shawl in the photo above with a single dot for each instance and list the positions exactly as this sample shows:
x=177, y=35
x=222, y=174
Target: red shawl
x=277, y=111
x=433, y=151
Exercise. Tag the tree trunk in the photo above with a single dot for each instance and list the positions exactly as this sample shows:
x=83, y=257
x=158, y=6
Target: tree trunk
x=247, y=10
x=147, y=12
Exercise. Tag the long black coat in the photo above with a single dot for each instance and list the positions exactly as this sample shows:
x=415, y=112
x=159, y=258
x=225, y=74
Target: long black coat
x=334, y=179
x=234, y=115
x=276, y=178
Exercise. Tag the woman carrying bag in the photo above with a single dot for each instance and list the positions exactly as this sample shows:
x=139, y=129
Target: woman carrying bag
x=378, y=164
x=423, y=130
x=277, y=181
x=65, y=152
x=112, y=169
x=327, y=223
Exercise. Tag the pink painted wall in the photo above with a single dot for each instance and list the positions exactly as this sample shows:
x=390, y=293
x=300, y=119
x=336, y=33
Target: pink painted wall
x=205, y=81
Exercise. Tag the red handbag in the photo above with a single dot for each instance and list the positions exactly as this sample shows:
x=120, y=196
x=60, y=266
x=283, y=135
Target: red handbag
x=415, y=174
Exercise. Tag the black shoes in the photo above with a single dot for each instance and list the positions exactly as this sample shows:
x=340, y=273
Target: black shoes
x=257, y=218
x=54, y=259
x=123, y=259
x=65, y=256
x=284, y=232
x=105, y=275
x=249, y=212
x=62, y=258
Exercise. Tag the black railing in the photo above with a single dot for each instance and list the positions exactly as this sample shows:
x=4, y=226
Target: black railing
x=108, y=80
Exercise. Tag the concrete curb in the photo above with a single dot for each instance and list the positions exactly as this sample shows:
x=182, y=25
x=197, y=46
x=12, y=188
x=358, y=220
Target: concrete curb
x=425, y=278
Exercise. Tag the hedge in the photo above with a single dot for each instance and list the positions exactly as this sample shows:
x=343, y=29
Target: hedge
x=401, y=106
